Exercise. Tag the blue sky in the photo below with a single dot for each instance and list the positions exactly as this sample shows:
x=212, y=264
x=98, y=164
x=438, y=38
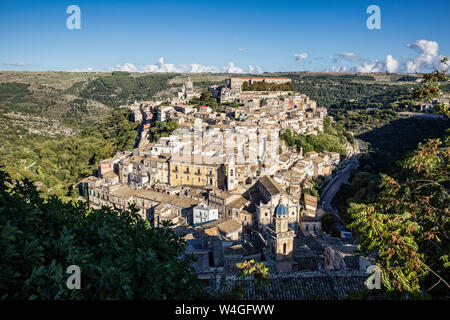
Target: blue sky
x=224, y=36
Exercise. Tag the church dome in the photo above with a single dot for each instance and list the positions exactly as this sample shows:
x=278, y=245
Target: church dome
x=281, y=210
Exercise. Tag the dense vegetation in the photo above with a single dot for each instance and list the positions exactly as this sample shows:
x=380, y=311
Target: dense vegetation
x=329, y=226
x=332, y=139
x=206, y=99
x=162, y=129
x=119, y=255
x=363, y=120
x=122, y=88
x=397, y=202
x=407, y=222
x=13, y=91
x=336, y=91
x=387, y=145
x=57, y=164
x=266, y=86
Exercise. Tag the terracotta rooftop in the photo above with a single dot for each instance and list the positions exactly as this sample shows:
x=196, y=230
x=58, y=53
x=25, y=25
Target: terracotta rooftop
x=309, y=285
x=229, y=226
x=225, y=226
x=238, y=203
x=271, y=185
x=126, y=192
x=310, y=200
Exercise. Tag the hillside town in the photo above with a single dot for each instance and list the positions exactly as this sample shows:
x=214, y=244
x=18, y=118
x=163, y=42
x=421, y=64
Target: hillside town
x=228, y=184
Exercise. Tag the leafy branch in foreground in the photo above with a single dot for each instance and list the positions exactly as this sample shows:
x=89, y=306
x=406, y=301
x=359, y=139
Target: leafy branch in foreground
x=250, y=268
x=120, y=256
x=429, y=88
x=407, y=227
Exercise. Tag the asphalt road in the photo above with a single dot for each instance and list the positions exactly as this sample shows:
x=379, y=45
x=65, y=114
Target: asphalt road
x=335, y=184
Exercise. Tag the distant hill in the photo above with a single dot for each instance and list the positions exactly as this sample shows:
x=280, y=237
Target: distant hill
x=52, y=103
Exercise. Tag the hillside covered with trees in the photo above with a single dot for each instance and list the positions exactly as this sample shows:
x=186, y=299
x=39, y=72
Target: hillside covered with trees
x=56, y=164
x=334, y=138
x=397, y=202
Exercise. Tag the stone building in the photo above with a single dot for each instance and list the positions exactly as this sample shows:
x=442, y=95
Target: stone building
x=281, y=239
x=196, y=171
x=203, y=214
x=266, y=194
x=187, y=91
x=235, y=83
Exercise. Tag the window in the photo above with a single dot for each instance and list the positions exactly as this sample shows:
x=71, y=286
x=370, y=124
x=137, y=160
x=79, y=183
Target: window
x=284, y=248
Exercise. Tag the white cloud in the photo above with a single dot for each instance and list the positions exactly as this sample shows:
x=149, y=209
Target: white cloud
x=372, y=66
x=82, y=70
x=391, y=64
x=127, y=67
x=429, y=57
x=198, y=68
x=241, y=49
x=161, y=66
x=300, y=56
x=350, y=56
x=231, y=68
x=339, y=68
x=254, y=69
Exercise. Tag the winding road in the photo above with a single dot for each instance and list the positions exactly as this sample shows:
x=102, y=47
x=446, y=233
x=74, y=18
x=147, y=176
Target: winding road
x=334, y=185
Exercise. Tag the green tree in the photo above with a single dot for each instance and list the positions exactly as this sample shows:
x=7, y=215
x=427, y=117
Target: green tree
x=408, y=224
x=119, y=254
x=430, y=89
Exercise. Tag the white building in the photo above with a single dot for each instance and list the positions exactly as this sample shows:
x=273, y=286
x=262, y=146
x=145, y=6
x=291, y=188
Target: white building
x=163, y=113
x=168, y=145
x=203, y=214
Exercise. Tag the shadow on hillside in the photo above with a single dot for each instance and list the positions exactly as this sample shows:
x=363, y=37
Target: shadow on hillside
x=403, y=135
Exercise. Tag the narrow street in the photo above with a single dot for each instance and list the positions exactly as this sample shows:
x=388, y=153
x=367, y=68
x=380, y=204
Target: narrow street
x=335, y=184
